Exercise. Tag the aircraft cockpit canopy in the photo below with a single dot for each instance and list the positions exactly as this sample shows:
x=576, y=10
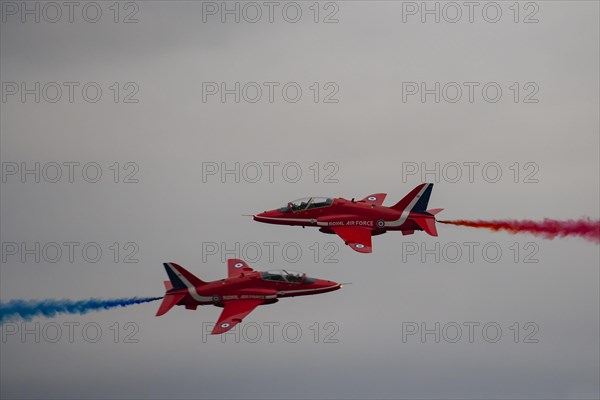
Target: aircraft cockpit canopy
x=282, y=275
x=307, y=203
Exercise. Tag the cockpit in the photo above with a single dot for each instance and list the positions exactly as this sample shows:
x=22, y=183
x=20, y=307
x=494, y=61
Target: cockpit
x=282, y=275
x=307, y=203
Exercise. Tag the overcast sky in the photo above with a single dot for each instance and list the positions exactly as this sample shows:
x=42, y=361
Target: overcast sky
x=349, y=102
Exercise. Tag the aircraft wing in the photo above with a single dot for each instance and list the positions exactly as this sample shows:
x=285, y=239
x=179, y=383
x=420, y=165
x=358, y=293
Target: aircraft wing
x=236, y=267
x=358, y=238
x=376, y=198
x=233, y=313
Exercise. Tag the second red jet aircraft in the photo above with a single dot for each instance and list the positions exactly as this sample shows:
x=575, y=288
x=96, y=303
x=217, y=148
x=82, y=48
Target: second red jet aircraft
x=356, y=221
x=241, y=292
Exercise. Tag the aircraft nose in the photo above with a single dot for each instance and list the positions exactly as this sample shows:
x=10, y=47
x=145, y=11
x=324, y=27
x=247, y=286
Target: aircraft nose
x=266, y=215
x=331, y=285
x=260, y=216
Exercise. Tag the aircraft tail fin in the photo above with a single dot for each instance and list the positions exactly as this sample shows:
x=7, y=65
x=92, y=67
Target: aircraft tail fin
x=416, y=200
x=179, y=281
x=180, y=278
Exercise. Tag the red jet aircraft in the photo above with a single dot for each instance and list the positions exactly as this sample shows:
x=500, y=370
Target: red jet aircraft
x=356, y=221
x=241, y=292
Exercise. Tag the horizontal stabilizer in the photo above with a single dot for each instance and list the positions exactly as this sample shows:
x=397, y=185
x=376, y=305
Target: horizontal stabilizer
x=169, y=301
x=427, y=224
x=435, y=211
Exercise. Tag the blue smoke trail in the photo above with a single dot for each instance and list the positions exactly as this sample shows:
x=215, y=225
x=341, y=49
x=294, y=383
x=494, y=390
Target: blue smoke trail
x=27, y=309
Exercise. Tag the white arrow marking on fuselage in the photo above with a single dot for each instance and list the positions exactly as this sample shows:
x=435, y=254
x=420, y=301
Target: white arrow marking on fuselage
x=305, y=290
x=408, y=209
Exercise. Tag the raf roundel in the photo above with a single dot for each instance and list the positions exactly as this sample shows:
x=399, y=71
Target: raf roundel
x=225, y=325
x=238, y=265
x=371, y=198
x=380, y=223
x=359, y=246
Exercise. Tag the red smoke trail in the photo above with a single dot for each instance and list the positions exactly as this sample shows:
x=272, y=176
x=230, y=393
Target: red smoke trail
x=548, y=228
